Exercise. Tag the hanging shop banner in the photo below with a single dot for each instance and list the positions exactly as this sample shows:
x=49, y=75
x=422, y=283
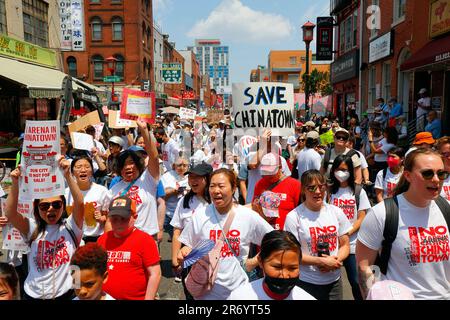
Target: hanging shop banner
x=77, y=15
x=138, y=104
x=186, y=113
x=324, y=44
x=65, y=24
x=172, y=73
x=261, y=105
x=381, y=47
x=12, y=238
x=42, y=177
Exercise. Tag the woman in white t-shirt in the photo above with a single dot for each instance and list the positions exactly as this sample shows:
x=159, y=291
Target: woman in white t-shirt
x=322, y=229
x=247, y=227
x=388, y=178
x=443, y=147
x=419, y=256
x=279, y=258
x=353, y=201
x=195, y=200
x=382, y=148
x=96, y=198
x=52, y=238
x=139, y=182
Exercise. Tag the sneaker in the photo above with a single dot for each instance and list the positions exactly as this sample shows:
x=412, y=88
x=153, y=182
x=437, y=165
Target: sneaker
x=177, y=279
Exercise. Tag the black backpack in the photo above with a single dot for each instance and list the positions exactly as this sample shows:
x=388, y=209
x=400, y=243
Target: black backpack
x=391, y=228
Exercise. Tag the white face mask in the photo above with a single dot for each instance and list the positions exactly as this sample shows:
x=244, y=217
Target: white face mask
x=342, y=176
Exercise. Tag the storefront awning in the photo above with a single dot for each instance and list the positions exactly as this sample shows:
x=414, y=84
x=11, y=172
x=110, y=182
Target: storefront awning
x=436, y=51
x=41, y=82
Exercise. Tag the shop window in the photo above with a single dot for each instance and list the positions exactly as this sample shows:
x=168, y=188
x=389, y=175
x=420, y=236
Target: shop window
x=292, y=60
x=3, y=24
x=35, y=26
x=117, y=28
x=386, y=81
x=120, y=66
x=372, y=87
x=72, y=66
x=149, y=34
x=348, y=31
x=96, y=26
x=279, y=78
x=98, y=67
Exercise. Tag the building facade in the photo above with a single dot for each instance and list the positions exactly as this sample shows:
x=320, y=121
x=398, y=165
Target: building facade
x=174, y=92
x=158, y=55
x=120, y=29
x=192, y=78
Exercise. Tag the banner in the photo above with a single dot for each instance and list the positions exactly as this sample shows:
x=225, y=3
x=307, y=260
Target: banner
x=12, y=239
x=172, y=73
x=138, y=104
x=116, y=122
x=42, y=177
x=264, y=105
x=186, y=113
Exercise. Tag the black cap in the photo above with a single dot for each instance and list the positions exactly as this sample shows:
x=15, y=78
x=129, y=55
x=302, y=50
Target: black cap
x=122, y=206
x=201, y=169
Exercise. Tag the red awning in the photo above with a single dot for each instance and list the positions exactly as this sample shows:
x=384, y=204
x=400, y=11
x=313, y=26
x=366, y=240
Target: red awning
x=435, y=51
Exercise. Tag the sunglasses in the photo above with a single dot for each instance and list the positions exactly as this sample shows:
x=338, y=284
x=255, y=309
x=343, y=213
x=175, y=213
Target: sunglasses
x=429, y=174
x=301, y=140
x=317, y=186
x=343, y=138
x=44, y=206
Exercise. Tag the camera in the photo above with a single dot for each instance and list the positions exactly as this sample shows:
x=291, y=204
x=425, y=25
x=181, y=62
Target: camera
x=323, y=248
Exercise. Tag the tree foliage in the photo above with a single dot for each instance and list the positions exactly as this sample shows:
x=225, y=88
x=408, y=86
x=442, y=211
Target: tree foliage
x=318, y=82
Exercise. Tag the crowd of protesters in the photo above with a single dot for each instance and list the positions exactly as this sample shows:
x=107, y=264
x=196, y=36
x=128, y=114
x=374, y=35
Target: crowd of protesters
x=295, y=210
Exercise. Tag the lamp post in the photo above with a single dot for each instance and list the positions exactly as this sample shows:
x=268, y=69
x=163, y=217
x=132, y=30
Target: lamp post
x=308, y=36
x=182, y=101
x=111, y=66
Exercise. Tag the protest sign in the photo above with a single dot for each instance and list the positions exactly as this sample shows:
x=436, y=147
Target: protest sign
x=115, y=121
x=12, y=239
x=214, y=115
x=98, y=130
x=89, y=213
x=82, y=141
x=186, y=113
x=2, y=192
x=136, y=103
x=245, y=144
x=261, y=105
x=327, y=137
x=90, y=119
x=42, y=177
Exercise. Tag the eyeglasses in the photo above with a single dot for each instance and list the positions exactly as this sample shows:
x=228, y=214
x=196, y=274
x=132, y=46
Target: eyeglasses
x=445, y=154
x=315, y=187
x=44, y=206
x=429, y=174
x=343, y=138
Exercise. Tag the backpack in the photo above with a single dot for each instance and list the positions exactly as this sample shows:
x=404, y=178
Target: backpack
x=326, y=158
x=391, y=228
x=202, y=276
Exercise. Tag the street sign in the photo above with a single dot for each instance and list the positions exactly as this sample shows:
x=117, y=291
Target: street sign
x=172, y=73
x=111, y=79
x=324, y=44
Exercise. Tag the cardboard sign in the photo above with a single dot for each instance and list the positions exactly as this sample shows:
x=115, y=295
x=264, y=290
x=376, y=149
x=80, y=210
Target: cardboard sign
x=91, y=119
x=82, y=141
x=89, y=213
x=214, y=115
x=261, y=105
x=42, y=177
x=138, y=104
x=186, y=113
x=116, y=122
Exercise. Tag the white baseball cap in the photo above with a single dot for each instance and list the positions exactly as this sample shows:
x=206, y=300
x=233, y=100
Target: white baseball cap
x=270, y=164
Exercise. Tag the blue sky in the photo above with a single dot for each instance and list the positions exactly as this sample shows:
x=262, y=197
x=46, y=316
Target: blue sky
x=251, y=28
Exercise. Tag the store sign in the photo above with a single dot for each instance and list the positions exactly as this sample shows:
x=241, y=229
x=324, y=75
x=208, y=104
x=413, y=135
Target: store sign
x=26, y=51
x=439, y=17
x=71, y=14
x=381, y=47
x=345, y=67
x=172, y=73
x=146, y=85
x=324, y=44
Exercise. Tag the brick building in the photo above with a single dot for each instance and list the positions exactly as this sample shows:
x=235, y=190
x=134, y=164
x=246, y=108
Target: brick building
x=171, y=55
x=123, y=30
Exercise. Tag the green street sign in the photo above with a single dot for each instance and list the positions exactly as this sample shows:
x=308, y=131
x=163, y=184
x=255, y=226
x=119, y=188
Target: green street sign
x=172, y=73
x=111, y=79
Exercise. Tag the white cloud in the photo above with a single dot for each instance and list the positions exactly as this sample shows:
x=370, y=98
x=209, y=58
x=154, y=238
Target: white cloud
x=234, y=22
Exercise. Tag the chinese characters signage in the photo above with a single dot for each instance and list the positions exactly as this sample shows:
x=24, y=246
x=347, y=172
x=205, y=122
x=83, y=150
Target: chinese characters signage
x=171, y=73
x=324, y=49
x=72, y=25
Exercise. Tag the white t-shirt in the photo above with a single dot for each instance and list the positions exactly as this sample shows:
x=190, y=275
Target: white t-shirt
x=385, y=146
x=100, y=147
x=170, y=153
x=346, y=200
x=107, y=297
x=420, y=253
x=426, y=101
x=387, y=185
x=143, y=192
x=254, y=291
x=445, y=192
x=247, y=227
x=43, y=281
x=364, y=164
x=308, y=159
x=171, y=179
x=183, y=216
x=308, y=227
x=100, y=198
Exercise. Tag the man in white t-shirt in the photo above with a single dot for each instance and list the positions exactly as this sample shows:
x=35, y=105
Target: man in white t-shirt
x=309, y=158
x=169, y=148
x=423, y=107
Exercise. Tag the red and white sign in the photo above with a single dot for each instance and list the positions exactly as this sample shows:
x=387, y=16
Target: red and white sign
x=12, y=239
x=186, y=113
x=138, y=104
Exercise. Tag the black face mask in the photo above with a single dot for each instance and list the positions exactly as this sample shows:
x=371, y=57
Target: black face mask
x=280, y=285
x=160, y=140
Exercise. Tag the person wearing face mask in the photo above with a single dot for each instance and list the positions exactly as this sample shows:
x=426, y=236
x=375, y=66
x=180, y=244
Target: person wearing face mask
x=388, y=178
x=322, y=229
x=443, y=147
x=353, y=201
x=170, y=150
x=279, y=259
x=275, y=194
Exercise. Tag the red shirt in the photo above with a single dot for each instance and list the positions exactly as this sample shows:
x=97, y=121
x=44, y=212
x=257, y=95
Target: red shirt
x=289, y=189
x=128, y=260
